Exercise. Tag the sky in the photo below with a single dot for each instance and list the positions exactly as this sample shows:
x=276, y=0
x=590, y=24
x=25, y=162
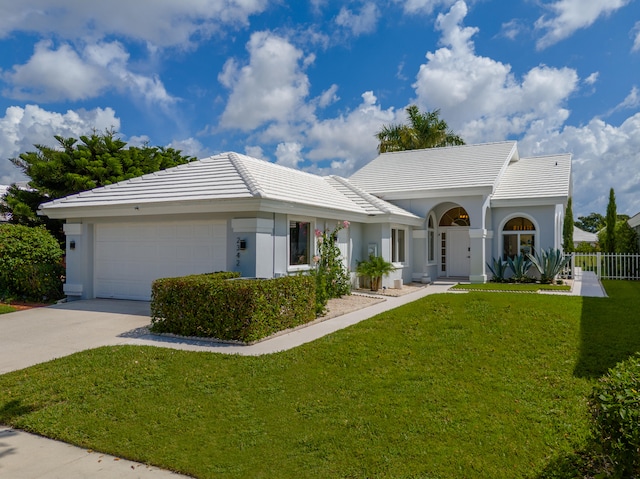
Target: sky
x=307, y=84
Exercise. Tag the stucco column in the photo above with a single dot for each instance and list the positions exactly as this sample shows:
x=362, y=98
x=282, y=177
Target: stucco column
x=477, y=245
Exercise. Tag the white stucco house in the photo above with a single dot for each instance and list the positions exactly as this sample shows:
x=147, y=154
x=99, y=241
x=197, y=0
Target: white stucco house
x=435, y=213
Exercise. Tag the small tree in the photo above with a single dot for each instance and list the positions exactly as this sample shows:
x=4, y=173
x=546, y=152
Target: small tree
x=332, y=278
x=30, y=264
x=591, y=223
x=375, y=268
x=567, y=229
x=610, y=231
x=74, y=166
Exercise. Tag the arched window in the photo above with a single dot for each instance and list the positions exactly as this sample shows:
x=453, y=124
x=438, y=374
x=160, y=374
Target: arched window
x=518, y=237
x=455, y=217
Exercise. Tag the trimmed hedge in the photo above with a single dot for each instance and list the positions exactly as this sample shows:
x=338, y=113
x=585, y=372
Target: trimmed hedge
x=615, y=410
x=239, y=309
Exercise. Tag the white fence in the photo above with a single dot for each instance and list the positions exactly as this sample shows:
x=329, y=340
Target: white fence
x=607, y=265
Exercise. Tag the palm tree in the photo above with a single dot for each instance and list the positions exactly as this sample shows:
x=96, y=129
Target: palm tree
x=425, y=130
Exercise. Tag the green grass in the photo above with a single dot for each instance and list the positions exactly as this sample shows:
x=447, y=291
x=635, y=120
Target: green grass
x=5, y=308
x=475, y=386
x=528, y=287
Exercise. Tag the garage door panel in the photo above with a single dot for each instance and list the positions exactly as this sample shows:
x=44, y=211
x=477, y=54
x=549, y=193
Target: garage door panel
x=128, y=257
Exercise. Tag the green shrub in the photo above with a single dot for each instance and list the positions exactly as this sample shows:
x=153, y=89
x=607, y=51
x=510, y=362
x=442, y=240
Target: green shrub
x=331, y=276
x=549, y=264
x=520, y=266
x=30, y=264
x=498, y=270
x=242, y=309
x=615, y=410
x=375, y=268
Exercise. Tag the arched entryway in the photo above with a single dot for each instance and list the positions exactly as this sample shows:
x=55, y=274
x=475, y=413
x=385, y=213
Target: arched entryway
x=455, y=247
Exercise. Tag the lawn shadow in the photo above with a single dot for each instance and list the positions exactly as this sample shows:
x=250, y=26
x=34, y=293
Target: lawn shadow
x=12, y=410
x=609, y=329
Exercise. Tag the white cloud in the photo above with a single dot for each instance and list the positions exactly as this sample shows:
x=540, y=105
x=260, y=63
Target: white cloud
x=359, y=23
x=271, y=87
x=162, y=22
x=480, y=97
x=632, y=100
x=571, y=15
x=63, y=74
x=423, y=6
x=21, y=128
x=635, y=34
x=592, y=79
x=604, y=156
x=55, y=75
x=511, y=29
x=289, y=154
x=349, y=139
x=255, y=151
x=190, y=147
x=329, y=96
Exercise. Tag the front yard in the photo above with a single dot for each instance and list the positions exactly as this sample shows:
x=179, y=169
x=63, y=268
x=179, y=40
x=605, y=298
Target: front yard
x=470, y=385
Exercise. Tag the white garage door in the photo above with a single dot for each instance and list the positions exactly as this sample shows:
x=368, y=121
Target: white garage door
x=128, y=257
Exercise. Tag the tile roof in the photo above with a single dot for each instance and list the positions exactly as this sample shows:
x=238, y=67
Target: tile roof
x=582, y=236
x=535, y=177
x=455, y=167
x=229, y=176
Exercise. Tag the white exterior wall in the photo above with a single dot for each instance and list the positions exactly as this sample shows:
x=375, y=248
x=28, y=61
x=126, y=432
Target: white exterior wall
x=480, y=235
x=81, y=247
x=545, y=219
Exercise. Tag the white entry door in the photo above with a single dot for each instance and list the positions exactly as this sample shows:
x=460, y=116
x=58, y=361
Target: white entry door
x=130, y=256
x=458, y=252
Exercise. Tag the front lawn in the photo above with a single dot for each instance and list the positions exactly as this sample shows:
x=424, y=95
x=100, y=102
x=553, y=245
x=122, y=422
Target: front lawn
x=455, y=385
x=512, y=287
x=5, y=308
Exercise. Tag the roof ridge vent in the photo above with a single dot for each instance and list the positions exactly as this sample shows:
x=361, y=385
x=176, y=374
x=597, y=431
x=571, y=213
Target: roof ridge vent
x=245, y=174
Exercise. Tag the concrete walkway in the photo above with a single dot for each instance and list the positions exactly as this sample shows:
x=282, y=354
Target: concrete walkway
x=42, y=334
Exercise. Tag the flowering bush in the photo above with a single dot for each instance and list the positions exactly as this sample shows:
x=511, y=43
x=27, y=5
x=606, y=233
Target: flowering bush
x=332, y=278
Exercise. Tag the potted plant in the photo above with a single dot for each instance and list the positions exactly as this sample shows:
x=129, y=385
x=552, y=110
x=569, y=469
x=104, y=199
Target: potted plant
x=374, y=268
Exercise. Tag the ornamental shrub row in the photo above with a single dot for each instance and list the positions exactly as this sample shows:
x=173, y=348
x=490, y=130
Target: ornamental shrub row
x=218, y=306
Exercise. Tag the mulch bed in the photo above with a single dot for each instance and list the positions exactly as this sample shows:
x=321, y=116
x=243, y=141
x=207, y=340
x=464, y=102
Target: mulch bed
x=21, y=305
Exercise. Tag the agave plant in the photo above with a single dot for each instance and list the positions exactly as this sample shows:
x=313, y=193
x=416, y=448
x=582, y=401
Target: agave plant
x=498, y=269
x=549, y=264
x=520, y=266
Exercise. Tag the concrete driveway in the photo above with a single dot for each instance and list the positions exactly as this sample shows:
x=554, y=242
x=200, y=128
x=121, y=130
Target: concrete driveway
x=37, y=335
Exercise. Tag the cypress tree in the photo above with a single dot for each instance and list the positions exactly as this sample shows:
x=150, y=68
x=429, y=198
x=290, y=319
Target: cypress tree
x=612, y=218
x=567, y=229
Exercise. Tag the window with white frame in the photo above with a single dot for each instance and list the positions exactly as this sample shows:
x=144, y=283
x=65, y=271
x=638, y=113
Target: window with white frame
x=518, y=237
x=431, y=236
x=300, y=243
x=398, y=238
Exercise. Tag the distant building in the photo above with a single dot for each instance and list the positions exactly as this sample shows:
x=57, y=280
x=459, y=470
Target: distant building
x=582, y=236
x=3, y=190
x=635, y=224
